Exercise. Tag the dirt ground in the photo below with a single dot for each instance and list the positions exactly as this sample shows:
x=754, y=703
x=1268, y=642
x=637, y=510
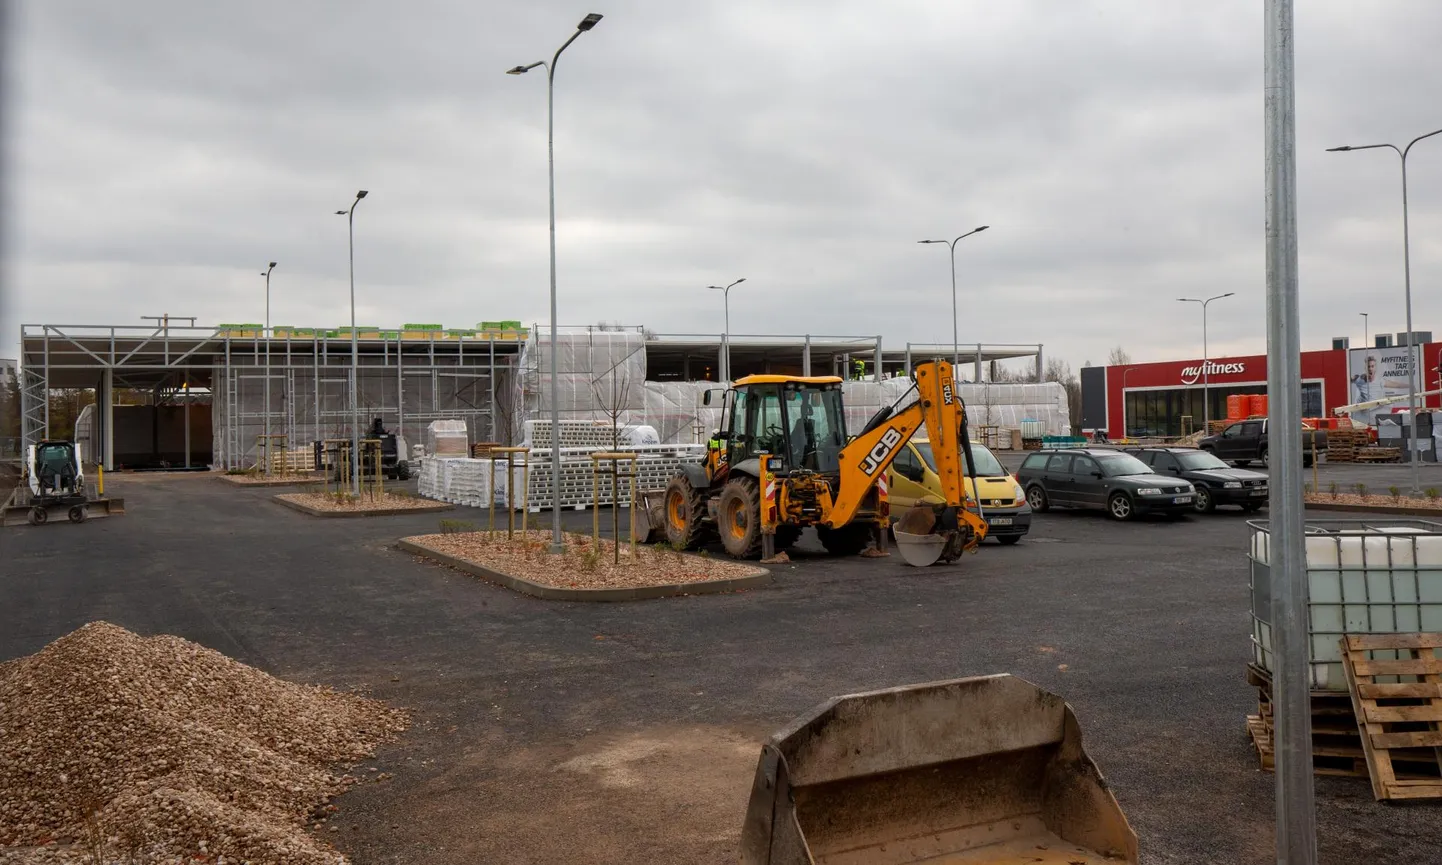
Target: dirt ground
x=628, y=732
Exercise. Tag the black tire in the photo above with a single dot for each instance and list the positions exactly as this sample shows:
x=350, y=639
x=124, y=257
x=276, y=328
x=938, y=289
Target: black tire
x=1008, y=540
x=403, y=471
x=1036, y=497
x=1120, y=507
x=1204, y=503
x=738, y=517
x=682, y=511
x=38, y=516
x=846, y=541
x=77, y=514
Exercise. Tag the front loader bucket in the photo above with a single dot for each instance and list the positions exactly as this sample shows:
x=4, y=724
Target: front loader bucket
x=981, y=770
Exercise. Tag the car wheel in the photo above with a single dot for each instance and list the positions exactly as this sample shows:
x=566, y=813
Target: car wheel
x=1036, y=497
x=1203, y=501
x=1008, y=540
x=1120, y=507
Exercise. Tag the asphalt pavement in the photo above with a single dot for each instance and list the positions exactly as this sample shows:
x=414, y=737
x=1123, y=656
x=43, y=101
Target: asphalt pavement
x=553, y=731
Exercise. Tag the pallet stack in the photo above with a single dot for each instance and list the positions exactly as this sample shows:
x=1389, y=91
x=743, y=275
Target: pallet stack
x=1343, y=444
x=1395, y=688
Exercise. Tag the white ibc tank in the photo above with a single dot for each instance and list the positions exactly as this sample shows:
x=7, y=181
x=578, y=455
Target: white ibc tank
x=1360, y=580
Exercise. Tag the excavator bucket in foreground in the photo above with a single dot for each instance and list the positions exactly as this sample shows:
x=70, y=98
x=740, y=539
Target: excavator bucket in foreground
x=981, y=770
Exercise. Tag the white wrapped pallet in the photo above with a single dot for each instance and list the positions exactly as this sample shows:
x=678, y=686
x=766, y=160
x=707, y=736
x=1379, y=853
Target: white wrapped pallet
x=448, y=438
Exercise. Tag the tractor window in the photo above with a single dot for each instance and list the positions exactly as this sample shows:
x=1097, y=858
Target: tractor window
x=765, y=425
x=817, y=431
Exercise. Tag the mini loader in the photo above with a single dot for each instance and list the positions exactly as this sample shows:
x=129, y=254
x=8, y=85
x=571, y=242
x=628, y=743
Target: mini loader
x=988, y=770
x=783, y=461
x=55, y=480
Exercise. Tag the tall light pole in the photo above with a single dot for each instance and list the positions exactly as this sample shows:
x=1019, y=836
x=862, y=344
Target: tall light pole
x=726, y=334
x=266, y=334
x=558, y=543
x=955, y=344
x=1413, y=360
x=354, y=353
x=1206, y=378
x=1366, y=336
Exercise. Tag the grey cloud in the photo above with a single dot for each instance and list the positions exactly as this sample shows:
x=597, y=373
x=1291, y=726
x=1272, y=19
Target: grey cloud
x=165, y=150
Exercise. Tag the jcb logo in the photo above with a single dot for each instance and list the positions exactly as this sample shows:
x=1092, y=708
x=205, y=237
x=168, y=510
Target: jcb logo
x=889, y=440
x=946, y=397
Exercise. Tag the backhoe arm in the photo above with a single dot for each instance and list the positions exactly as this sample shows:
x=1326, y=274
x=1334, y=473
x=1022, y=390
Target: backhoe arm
x=868, y=456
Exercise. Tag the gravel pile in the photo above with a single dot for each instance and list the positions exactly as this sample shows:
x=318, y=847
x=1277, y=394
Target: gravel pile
x=162, y=746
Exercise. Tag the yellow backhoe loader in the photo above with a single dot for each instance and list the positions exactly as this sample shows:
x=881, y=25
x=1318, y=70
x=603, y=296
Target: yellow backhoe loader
x=783, y=461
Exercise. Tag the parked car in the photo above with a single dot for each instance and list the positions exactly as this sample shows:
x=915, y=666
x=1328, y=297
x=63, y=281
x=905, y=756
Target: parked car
x=1216, y=482
x=1113, y=480
x=1245, y=441
x=912, y=478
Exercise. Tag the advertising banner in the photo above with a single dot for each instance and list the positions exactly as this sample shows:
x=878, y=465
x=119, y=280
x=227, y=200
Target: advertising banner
x=1375, y=374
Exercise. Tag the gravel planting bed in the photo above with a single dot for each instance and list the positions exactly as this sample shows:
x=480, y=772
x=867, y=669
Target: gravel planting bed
x=275, y=480
x=583, y=566
x=157, y=748
x=1383, y=503
x=390, y=502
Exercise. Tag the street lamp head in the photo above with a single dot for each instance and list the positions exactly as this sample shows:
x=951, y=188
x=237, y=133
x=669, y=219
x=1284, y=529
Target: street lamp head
x=360, y=195
x=1342, y=149
x=588, y=22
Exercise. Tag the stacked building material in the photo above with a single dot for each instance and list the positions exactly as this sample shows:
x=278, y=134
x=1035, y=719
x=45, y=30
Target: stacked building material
x=447, y=438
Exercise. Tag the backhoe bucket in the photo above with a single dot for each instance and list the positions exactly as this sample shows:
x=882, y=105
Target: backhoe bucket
x=981, y=770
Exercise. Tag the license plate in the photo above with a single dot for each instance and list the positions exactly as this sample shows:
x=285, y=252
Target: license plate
x=1000, y=521
x=1259, y=492
x=1181, y=500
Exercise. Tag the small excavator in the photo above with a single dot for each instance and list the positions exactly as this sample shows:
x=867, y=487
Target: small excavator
x=783, y=461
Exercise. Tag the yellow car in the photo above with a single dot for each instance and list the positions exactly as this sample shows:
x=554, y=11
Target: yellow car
x=912, y=478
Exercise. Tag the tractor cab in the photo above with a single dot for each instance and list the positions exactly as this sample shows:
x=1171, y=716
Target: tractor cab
x=798, y=421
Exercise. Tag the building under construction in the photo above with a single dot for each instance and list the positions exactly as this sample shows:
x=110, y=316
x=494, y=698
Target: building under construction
x=169, y=396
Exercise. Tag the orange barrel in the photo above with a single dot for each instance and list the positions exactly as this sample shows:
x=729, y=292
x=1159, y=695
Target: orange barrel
x=1236, y=410
x=1259, y=405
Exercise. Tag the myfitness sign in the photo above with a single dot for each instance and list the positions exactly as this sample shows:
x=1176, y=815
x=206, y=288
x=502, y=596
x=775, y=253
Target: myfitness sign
x=1194, y=373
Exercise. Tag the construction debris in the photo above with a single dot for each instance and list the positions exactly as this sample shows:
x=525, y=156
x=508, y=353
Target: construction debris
x=155, y=748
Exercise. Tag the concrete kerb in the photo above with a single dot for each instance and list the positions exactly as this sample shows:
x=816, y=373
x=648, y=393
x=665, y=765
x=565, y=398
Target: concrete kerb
x=552, y=593
x=370, y=512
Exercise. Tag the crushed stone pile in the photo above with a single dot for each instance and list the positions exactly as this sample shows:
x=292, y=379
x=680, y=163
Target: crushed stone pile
x=163, y=748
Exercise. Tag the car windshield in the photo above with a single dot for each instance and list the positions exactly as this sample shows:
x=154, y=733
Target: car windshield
x=1200, y=462
x=1118, y=465
x=987, y=465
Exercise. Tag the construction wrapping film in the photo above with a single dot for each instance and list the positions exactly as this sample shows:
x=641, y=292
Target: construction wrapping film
x=446, y=438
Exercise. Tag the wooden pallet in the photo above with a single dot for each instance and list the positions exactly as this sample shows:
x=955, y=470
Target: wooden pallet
x=1378, y=455
x=1399, y=720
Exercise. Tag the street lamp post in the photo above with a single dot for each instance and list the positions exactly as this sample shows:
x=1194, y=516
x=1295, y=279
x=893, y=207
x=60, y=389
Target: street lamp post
x=1413, y=362
x=726, y=334
x=349, y=214
x=266, y=334
x=558, y=543
x=955, y=345
x=1206, y=378
x=1366, y=336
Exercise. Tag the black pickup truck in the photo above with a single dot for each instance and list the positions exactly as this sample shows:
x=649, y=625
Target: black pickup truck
x=1245, y=442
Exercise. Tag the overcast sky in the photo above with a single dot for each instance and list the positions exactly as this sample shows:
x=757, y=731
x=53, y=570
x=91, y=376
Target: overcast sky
x=162, y=152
